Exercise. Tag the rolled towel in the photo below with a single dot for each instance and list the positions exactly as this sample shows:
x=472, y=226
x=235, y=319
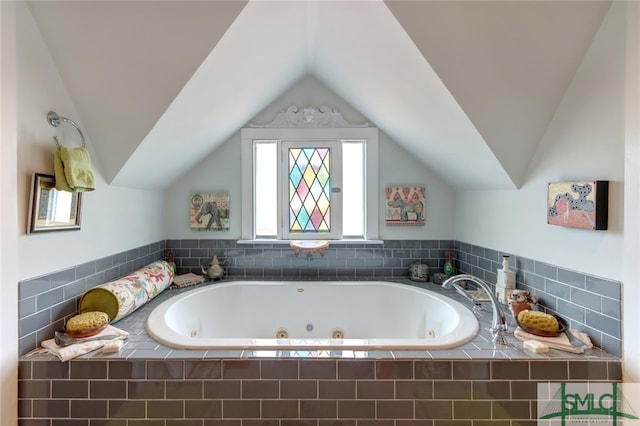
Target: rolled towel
x=561, y=342
x=65, y=353
x=186, y=280
x=77, y=169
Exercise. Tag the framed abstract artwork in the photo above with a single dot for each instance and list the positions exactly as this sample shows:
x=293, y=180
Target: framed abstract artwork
x=578, y=204
x=209, y=211
x=404, y=205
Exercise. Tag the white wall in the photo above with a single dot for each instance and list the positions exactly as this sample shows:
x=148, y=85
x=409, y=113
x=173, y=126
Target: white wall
x=584, y=141
x=631, y=290
x=113, y=219
x=221, y=171
x=8, y=218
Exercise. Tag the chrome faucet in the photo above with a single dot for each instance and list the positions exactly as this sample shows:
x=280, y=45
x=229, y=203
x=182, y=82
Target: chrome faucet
x=498, y=324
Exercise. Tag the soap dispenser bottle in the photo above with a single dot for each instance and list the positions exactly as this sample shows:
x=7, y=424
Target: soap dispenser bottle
x=448, y=264
x=505, y=282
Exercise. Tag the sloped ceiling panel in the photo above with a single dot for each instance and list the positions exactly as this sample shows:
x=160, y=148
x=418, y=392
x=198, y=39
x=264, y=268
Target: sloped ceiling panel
x=123, y=62
x=261, y=55
x=467, y=87
x=375, y=66
x=507, y=63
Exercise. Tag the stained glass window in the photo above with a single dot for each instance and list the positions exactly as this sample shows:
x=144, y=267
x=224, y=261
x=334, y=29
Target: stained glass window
x=306, y=188
x=309, y=189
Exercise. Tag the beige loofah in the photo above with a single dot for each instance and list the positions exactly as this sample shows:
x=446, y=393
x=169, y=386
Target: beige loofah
x=87, y=320
x=539, y=320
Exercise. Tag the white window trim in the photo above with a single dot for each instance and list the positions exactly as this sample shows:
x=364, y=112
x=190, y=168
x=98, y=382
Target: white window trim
x=369, y=134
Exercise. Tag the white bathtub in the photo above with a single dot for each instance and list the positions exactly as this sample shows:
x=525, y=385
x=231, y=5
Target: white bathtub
x=276, y=315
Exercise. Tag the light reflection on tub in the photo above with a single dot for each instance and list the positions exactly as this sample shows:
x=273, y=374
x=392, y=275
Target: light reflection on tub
x=311, y=315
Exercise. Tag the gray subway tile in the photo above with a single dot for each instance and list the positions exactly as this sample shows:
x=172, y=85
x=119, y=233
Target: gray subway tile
x=549, y=370
x=104, y=263
x=31, y=323
x=604, y=287
x=472, y=370
x=188, y=389
x=50, y=408
x=572, y=278
x=458, y=389
x=75, y=288
x=559, y=290
x=527, y=265
x=63, y=277
x=108, y=389
x=571, y=311
x=86, y=269
x=546, y=270
x=611, y=345
x=608, y=325
x=588, y=300
x=26, y=307
x=588, y=370
x=434, y=409
x=34, y=388
x=69, y=389
x=472, y=409
x=146, y=389
x=394, y=409
x=93, y=369
x=509, y=369
x=48, y=299
x=534, y=281
x=510, y=409
x=34, y=286
x=126, y=409
x=491, y=389
x=611, y=307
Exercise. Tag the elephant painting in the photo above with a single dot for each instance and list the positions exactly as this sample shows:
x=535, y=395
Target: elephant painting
x=405, y=205
x=209, y=212
x=414, y=210
x=210, y=208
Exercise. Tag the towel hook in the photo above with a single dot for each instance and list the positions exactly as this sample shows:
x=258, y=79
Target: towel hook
x=55, y=120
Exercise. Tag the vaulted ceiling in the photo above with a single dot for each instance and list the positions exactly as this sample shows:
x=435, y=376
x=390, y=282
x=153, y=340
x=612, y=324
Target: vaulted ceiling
x=467, y=87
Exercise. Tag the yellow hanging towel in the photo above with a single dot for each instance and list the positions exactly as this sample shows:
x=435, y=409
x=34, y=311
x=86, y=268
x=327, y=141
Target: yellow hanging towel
x=72, y=168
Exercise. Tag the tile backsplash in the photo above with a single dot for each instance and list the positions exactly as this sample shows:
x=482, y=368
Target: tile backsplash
x=591, y=304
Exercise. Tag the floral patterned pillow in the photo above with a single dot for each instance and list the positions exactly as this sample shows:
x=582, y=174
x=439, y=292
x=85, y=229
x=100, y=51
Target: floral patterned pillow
x=121, y=297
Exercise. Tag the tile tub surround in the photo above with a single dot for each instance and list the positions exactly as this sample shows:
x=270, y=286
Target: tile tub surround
x=152, y=384
x=287, y=392
x=590, y=303
x=45, y=302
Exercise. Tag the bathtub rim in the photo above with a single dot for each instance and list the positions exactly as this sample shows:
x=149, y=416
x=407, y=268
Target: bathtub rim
x=467, y=330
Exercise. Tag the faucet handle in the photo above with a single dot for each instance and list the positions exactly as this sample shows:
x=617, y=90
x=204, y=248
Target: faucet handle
x=498, y=336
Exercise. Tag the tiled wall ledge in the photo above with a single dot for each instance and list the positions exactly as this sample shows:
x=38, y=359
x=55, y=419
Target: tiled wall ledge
x=45, y=302
x=287, y=392
x=390, y=259
x=590, y=303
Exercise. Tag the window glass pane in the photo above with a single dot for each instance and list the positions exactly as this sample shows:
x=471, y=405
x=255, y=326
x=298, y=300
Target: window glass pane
x=309, y=189
x=266, y=189
x=353, y=195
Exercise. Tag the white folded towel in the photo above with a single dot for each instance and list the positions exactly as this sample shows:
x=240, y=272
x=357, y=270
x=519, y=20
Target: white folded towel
x=561, y=342
x=65, y=353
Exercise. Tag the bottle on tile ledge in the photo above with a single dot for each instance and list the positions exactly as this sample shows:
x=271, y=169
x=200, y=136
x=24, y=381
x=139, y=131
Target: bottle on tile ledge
x=448, y=263
x=505, y=282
